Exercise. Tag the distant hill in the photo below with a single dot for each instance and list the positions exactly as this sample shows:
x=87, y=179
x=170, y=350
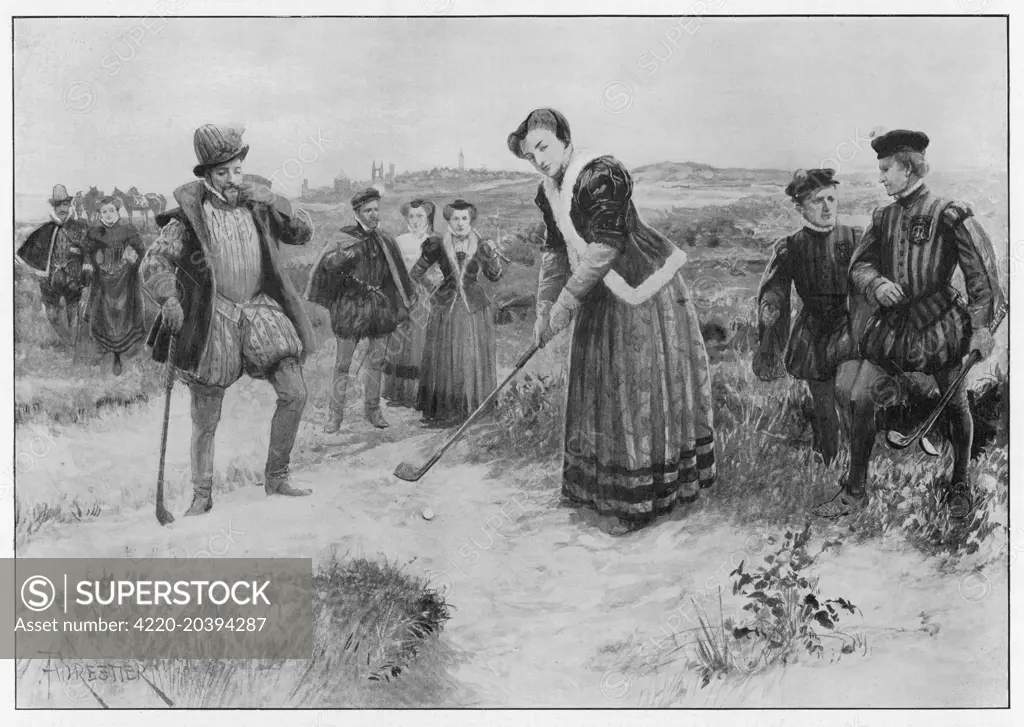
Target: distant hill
x=695, y=174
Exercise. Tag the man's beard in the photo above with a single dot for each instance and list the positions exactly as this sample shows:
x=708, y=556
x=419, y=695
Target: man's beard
x=232, y=194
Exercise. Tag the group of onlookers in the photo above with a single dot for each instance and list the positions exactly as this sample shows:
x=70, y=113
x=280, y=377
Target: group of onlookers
x=430, y=347
x=70, y=257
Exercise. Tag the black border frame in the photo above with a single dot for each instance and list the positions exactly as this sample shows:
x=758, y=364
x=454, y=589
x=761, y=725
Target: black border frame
x=1006, y=16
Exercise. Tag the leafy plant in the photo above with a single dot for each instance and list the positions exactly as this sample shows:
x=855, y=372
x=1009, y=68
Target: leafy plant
x=787, y=615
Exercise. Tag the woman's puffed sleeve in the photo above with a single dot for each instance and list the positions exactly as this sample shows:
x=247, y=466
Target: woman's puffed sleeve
x=602, y=195
x=604, y=192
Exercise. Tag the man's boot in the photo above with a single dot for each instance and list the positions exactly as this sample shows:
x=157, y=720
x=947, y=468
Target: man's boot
x=371, y=399
x=375, y=418
x=336, y=406
x=291, y=400
x=959, y=495
x=280, y=486
x=202, y=498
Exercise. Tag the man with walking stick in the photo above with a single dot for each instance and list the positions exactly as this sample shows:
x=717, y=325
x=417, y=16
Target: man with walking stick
x=907, y=317
x=227, y=304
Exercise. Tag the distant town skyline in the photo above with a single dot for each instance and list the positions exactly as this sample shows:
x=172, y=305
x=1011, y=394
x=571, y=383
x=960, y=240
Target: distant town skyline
x=114, y=101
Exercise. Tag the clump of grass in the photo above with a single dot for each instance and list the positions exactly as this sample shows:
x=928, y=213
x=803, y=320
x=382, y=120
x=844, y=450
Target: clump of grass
x=375, y=644
x=526, y=419
x=29, y=519
x=912, y=504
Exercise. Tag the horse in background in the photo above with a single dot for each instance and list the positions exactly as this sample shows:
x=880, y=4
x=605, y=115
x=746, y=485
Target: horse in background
x=157, y=204
x=133, y=202
x=90, y=204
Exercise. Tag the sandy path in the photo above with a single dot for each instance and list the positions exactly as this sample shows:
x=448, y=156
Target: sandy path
x=547, y=607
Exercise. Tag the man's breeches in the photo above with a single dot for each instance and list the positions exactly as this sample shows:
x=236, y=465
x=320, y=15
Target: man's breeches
x=248, y=339
x=262, y=342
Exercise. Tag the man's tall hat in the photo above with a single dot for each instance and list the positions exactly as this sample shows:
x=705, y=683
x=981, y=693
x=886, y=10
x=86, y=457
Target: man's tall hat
x=60, y=194
x=215, y=145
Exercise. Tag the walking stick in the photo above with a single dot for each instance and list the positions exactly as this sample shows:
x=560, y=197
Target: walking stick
x=411, y=473
x=83, y=308
x=902, y=441
x=162, y=515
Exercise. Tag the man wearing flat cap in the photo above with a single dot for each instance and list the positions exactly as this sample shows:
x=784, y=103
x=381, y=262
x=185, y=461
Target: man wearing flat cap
x=224, y=294
x=361, y=278
x=905, y=314
x=814, y=260
x=53, y=254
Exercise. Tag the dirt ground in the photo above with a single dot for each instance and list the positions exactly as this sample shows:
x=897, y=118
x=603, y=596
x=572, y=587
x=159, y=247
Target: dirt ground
x=546, y=606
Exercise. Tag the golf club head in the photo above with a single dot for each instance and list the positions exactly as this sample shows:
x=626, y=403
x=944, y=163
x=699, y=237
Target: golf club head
x=896, y=440
x=163, y=516
x=928, y=447
x=407, y=472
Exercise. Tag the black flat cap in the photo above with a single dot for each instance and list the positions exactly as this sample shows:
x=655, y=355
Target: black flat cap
x=899, y=140
x=367, y=195
x=806, y=181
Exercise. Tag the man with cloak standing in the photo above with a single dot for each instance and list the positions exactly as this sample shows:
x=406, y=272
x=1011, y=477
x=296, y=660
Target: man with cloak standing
x=361, y=278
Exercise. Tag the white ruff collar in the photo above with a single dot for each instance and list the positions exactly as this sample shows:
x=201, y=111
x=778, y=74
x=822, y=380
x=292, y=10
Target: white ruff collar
x=72, y=215
x=214, y=191
x=811, y=226
x=560, y=199
x=909, y=190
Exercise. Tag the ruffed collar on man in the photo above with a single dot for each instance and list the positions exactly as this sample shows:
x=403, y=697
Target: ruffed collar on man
x=911, y=192
x=72, y=216
x=817, y=228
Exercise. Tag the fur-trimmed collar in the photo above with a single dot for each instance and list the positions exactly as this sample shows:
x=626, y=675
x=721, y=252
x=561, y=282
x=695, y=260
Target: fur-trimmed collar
x=560, y=198
x=448, y=243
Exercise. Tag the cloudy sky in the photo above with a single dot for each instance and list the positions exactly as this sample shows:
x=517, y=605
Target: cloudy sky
x=115, y=101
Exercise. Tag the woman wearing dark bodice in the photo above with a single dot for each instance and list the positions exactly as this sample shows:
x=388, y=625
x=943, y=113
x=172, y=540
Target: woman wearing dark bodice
x=639, y=433
x=459, y=365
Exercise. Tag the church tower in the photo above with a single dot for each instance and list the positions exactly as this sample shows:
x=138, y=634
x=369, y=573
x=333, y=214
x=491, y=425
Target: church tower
x=462, y=161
